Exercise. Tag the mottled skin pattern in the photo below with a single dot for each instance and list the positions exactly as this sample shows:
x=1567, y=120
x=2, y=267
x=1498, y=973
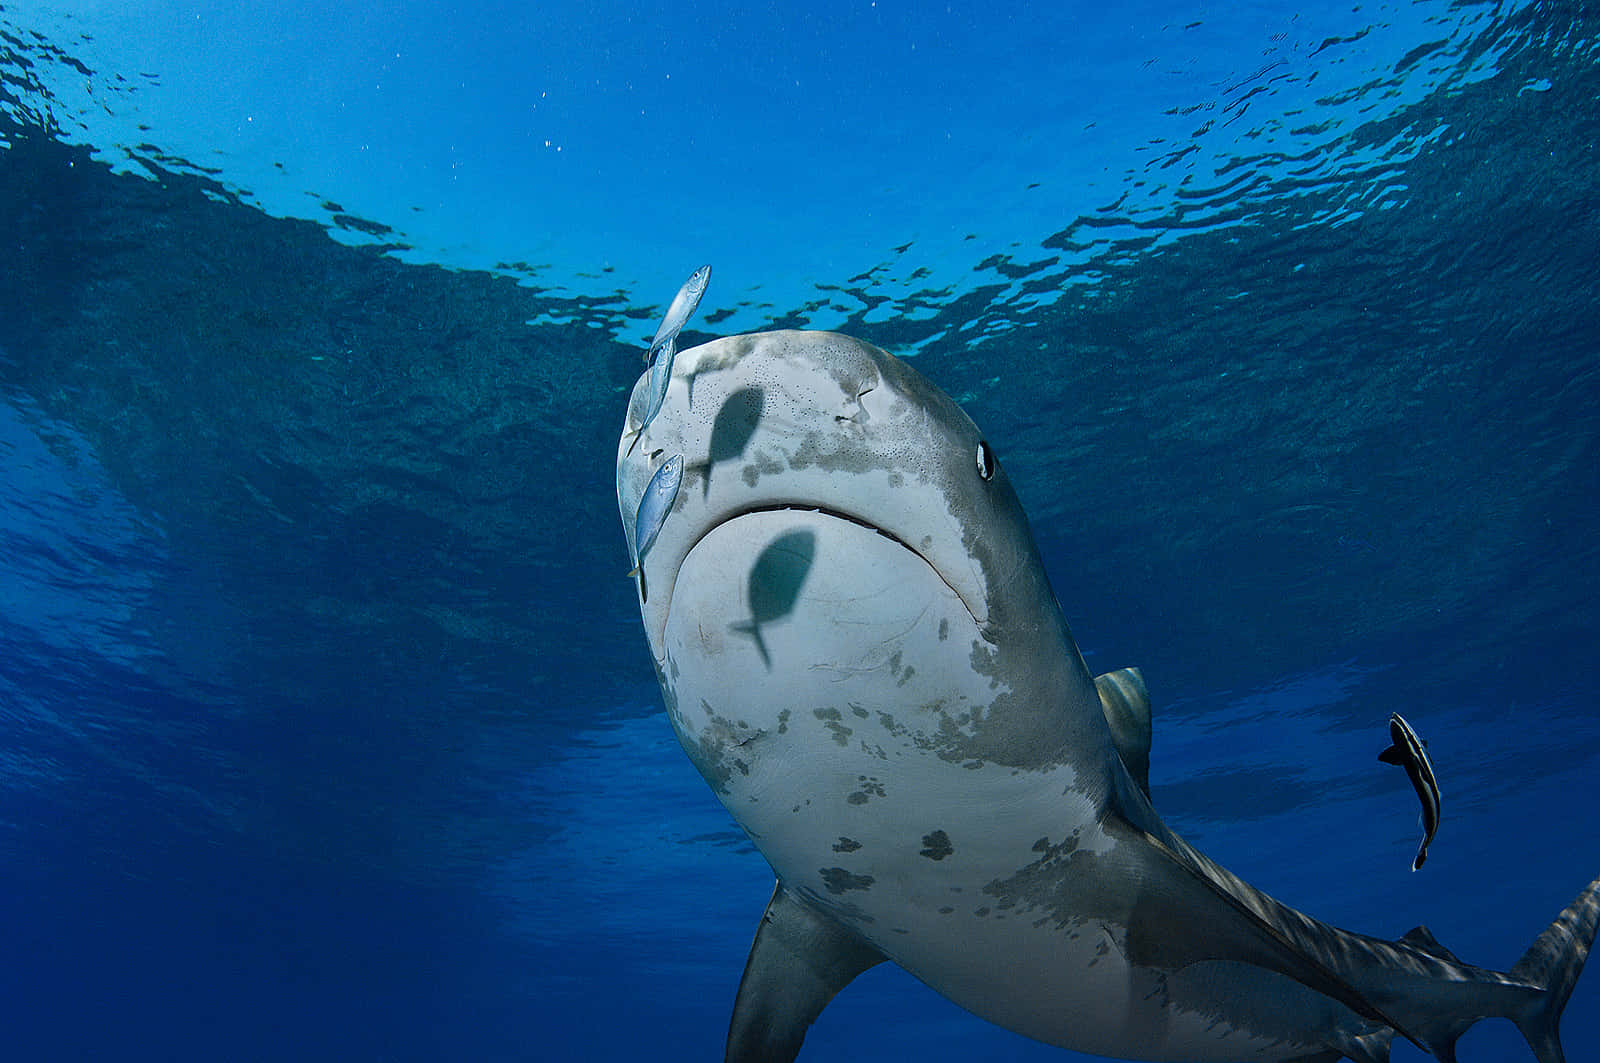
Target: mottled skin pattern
x=859, y=651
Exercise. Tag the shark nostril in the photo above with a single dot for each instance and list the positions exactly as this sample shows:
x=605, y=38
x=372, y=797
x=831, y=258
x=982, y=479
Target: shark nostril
x=860, y=415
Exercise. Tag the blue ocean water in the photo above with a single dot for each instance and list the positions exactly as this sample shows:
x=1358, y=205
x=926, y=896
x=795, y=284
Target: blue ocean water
x=327, y=726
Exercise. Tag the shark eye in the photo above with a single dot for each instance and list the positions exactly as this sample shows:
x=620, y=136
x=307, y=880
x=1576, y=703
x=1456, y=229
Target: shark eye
x=985, y=460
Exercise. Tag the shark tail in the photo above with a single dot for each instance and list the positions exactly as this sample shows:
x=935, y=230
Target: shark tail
x=1553, y=962
x=1532, y=994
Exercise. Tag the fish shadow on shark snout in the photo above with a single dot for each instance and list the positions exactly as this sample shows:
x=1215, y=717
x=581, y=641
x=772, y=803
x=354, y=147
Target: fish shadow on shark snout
x=774, y=584
x=735, y=423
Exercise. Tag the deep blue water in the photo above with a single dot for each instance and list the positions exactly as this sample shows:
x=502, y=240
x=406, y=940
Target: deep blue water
x=327, y=726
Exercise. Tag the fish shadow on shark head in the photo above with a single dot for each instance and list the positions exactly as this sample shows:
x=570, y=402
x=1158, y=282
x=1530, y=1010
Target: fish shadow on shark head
x=735, y=423
x=774, y=583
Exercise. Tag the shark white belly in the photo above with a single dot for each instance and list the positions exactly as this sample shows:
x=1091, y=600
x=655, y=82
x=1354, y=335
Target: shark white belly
x=860, y=653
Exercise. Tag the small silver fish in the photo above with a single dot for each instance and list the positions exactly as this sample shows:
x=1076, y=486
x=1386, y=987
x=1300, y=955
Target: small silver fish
x=1411, y=753
x=665, y=345
x=678, y=314
x=659, y=494
x=660, y=377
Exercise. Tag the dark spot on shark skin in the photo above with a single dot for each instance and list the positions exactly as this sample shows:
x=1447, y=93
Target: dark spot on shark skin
x=831, y=720
x=981, y=913
x=896, y=480
x=900, y=670
x=870, y=787
x=946, y=910
x=710, y=744
x=846, y=845
x=983, y=661
x=707, y=744
x=830, y=453
x=857, y=710
x=783, y=722
x=944, y=628
x=1051, y=883
x=752, y=472
x=1007, y=731
x=936, y=846
x=838, y=880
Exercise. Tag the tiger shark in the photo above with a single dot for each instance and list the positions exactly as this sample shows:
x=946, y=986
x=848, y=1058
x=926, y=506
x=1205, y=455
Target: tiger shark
x=858, y=649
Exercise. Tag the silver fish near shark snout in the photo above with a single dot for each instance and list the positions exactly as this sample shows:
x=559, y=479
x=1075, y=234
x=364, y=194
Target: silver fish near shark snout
x=659, y=495
x=679, y=311
x=664, y=347
x=1411, y=753
x=859, y=651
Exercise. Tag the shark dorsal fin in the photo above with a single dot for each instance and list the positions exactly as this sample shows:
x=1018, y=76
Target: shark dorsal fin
x=1422, y=939
x=1126, y=704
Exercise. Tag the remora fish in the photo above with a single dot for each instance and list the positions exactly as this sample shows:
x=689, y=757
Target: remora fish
x=665, y=345
x=1411, y=753
x=654, y=506
x=915, y=745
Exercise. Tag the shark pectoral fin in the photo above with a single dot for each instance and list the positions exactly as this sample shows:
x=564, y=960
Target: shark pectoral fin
x=1392, y=755
x=1255, y=936
x=800, y=959
x=1126, y=704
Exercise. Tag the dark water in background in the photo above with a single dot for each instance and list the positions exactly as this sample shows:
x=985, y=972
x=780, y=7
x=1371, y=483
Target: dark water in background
x=326, y=731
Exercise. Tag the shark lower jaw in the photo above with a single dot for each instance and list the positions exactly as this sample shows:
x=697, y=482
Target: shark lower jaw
x=790, y=596
x=786, y=532
x=799, y=650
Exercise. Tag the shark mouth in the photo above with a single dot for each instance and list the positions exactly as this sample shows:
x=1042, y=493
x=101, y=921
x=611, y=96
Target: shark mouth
x=848, y=518
x=836, y=514
x=810, y=590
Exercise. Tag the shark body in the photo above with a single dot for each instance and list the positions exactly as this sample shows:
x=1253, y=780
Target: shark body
x=859, y=651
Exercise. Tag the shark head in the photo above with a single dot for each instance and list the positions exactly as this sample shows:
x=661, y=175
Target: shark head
x=834, y=505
